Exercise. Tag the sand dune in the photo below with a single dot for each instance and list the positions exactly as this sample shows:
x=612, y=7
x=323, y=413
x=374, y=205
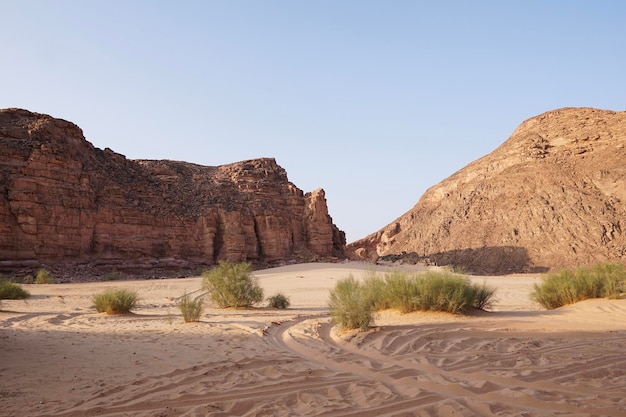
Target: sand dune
x=58, y=357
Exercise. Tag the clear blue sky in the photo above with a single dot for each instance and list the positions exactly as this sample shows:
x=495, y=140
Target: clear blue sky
x=374, y=101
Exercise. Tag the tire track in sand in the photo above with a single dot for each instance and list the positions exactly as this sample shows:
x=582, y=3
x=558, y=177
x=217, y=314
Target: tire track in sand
x=417, y=383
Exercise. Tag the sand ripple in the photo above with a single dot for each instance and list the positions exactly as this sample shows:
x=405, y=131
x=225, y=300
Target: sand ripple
x=60, y=358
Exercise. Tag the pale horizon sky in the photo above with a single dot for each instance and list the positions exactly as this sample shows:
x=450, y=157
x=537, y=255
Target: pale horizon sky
x=374, y=101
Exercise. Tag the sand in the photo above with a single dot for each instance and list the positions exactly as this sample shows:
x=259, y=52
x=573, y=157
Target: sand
x=59, y=357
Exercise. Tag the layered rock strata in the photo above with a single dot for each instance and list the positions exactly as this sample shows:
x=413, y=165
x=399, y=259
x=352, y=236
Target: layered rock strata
x=65, y=203
x=552, y=196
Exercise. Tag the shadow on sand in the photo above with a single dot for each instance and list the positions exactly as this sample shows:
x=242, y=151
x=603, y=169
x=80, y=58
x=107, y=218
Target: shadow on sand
x=489, y=260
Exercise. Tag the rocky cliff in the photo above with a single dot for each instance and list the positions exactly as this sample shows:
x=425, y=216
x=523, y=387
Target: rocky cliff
x=553, y=195
x=65, y=204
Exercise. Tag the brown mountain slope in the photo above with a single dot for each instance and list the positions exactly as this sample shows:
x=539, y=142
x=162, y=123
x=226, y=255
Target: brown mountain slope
x=553, y=195
x=68, y=205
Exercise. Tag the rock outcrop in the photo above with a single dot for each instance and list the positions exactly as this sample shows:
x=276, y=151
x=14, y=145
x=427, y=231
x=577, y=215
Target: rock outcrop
x=66, y=204
x=552, y=196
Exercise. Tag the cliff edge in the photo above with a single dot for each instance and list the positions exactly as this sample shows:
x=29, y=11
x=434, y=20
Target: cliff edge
x=67, y=205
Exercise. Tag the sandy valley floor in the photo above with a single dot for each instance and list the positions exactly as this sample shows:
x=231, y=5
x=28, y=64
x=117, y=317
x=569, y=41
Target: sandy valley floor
x=59, y=357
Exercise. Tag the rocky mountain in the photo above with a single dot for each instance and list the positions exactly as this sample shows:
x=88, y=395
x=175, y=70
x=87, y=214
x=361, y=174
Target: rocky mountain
x=551, y=196
x=67, y=205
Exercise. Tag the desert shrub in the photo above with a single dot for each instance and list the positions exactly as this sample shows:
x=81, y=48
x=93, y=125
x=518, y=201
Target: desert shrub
x=115, y=301
x=278, y=300
x=44, y=277
x=570, y=286
x=351, y=305
x=613, y=277
x=482, y=298
x=399, y=291
x=432, y=291
x=12, y=291
x=191, y=307
x=375, y=289
x=232, y=285
x=443, y=291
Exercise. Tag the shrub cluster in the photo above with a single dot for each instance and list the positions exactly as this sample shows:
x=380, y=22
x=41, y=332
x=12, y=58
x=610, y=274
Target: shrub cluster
x=115, y=301
x=191, y=307
x=44, y=277
x=232, y=285
x=352, y=303
x=12, y=291
x=278, y=300
x=570, y=286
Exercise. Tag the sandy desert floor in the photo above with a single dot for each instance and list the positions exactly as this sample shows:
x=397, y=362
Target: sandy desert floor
x=59, y=357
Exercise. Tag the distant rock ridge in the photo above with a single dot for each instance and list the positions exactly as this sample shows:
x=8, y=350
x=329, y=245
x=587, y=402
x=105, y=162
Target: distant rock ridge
x=552, y=196
x=65, y=204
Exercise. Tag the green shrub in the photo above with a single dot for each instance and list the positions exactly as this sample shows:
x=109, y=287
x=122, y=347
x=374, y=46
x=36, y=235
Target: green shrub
x=482, y=296
x=44, y=277
x=400, y=291
x=570, y=286
x=376, y=290
x=278, y=300
x=232, y=285
x=351, y=304
x=115, y=301
x=191, y=307
x=432, y=291
x=12, y=291
x=613, y=277
x=443, y=291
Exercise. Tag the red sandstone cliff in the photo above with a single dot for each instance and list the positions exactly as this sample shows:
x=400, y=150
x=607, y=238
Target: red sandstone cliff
x=65, y=203
x=553, y=195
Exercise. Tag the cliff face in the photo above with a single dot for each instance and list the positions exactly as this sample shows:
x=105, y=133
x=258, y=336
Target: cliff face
x=553, y=195
x=64, y=202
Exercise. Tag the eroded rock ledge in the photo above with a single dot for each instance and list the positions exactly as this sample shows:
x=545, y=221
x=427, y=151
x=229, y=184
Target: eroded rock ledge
x=551, y=196
x=67, y=205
